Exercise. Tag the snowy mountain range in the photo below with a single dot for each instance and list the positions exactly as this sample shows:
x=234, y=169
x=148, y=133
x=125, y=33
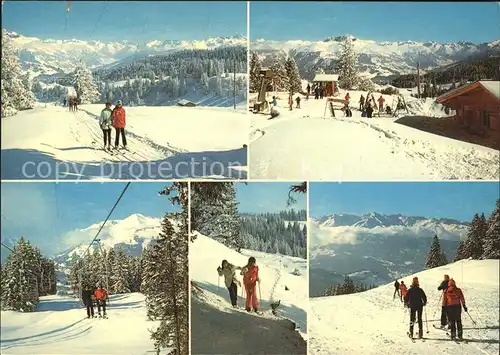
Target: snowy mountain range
x=51, y=57
x=131, y=234
x=375, y=248
x=378, y=60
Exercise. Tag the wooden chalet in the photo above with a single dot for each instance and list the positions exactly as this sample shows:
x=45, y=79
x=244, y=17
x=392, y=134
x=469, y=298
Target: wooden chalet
x=327, y=81
x=186, y=103
x=477, y=105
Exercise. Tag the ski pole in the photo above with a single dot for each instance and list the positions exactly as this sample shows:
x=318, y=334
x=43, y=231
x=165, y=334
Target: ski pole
x=473, y=322
x=426, y=324
x=437, y=309
x=260, y=296
x=218, y=284
x=406, y=311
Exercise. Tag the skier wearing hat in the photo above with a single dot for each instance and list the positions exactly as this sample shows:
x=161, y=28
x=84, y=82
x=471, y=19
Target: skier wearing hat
x=443, y=287
x=119, y=124
x=101, y=296
x=415, y=300
x=454, y=301
x=106, y=122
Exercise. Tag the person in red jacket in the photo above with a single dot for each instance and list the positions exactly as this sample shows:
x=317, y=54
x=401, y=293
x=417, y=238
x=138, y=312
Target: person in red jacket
x=454, y=301
x=403, y=289
x=250, y=278
x=101, y=296
x=119, y=124
x=381, y=101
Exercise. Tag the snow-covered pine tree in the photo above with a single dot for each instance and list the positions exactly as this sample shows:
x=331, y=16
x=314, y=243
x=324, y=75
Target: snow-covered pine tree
x=85, y=86
x=366, y=84
x=119, y=282
x=255, y=67
x=348, y=73
x=204, y=83
x=292, y=72
x=460, y=251
x=474, y=243
x=435, y=255
x=491, y=246
x=15, y=92
x=280, y=80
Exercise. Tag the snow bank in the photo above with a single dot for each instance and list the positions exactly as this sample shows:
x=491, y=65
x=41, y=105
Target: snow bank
x=60, y=326
x=217, y=327
x=372, y=322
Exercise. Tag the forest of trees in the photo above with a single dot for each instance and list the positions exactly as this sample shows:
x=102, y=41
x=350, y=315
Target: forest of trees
x=26, y=276
x=214, y=213
x=160, y=273
x=347, y=287
x=457, y=74
x=286, y=77
x=483, y=241
x=16, y=91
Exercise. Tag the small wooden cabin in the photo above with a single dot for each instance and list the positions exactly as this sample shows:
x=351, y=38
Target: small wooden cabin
x=477, y=105
x=186, y=103
x=327, y=81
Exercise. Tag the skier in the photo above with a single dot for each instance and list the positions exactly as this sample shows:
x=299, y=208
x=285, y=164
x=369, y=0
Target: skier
x=361, y=103
x=275, y=101
x=228, y=271
x=119, y=124
x=87, y=301
x=308, y=89
x=250, y=278
x=403, y=290
x=442, y=287
x=321, y=92
x=290, y=102
x=381, y=101
x=316, y=93
x=274, y=112
x=347, y=97
x=369, y=110
x=101, y=296
x=71, y=103
x=415, y=300
x=454, y=302
x=396, y=290
x=64, y=102
x=106, y=122
x=76, y=102
x=297, y=100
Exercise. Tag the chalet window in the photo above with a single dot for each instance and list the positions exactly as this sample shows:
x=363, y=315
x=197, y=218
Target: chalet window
x=486, y=119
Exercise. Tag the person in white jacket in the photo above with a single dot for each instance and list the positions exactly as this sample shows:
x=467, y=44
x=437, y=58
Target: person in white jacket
x=106, y=122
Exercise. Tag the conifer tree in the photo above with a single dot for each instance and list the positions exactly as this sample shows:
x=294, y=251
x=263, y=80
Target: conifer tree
x=348, y=74
x=292, y=72
x=119, y=282
x=255, y=67
x=435, y=257
x=491, y=246
x=460, y=251
x=280, y=80
x=85, y=86
x=475, y=236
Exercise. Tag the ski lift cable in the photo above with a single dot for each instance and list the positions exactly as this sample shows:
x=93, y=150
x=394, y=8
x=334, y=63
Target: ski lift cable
x=6, y=247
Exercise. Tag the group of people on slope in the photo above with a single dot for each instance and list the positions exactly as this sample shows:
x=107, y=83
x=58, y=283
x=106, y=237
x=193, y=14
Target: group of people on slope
x=451, y=308
x=99, y=296
x=116, y=118
x=371, y=105
x=250, y=273
x=72, y=103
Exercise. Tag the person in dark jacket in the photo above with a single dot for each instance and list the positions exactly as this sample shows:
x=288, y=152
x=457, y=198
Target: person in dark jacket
x=87, y=294
x=369, y=110
x=396, y=291
x=442, y=287
x=416, y=300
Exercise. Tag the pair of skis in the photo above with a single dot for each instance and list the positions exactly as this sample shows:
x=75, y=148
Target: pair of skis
x=413, y=338
x=458, y=341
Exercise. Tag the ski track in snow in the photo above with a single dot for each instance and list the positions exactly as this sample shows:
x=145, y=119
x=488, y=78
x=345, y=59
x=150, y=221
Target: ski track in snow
x=60, y=326
x=218, y=328
x=372, y=323
x=301, y=144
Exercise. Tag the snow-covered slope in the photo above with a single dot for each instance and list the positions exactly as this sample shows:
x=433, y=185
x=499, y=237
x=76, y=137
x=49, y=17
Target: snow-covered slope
x=372, y=322
x=303, y=145
x=218, y=328
x=49, y=56
x=60, y=326
x=376, y=59
x=164, y=142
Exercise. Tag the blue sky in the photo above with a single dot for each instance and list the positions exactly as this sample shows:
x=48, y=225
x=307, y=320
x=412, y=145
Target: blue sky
x=43, y=212
x=456, y=200
x=381, y=21
x=264, y=197
x=135, y=21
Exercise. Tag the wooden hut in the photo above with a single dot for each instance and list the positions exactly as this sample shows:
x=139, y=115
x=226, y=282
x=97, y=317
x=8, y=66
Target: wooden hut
x=327, y=81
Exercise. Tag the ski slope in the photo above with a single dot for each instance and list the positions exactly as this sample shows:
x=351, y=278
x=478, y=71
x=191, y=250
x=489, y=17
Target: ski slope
x=372, y=322
x=60, y=326
x=218, y=328
x=164, y=143
x=301, y=144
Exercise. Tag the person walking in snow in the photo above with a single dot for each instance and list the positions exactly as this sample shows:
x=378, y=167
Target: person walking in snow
x=106, y=122
x=381, y=101
x=403, y=289
x=250, y=274
x=415, y=299
x=361, y=103
x=64, y=102
x=321, y=92
x=396, y=290
x=316, y=93
x=275, y=101
x=297, y=100
x=119, y=122
x=101, y=296
x=308, y=89
x=290, y=102
x=228, y=271
x=369, y=110
x=454, y=300
x=443, y=287
x=88, y=301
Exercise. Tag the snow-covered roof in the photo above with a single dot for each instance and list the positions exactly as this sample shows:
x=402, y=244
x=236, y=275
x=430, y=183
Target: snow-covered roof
x=492, y=86
x=326, y=77
x=185, y=102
